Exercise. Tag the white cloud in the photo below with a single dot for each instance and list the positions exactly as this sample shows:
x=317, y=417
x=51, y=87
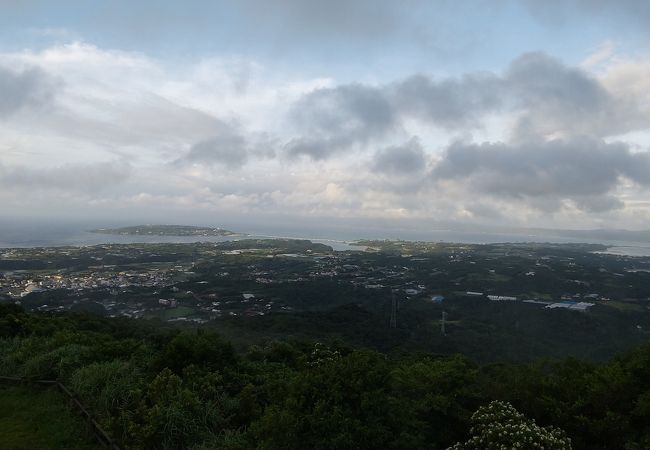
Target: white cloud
x=126, y=132
x=599, y=56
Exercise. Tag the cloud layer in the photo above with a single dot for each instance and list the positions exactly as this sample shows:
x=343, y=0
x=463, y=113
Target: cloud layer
x=534, y=140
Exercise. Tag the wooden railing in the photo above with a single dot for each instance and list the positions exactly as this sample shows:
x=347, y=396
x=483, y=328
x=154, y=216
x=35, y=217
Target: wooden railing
x=102, y=436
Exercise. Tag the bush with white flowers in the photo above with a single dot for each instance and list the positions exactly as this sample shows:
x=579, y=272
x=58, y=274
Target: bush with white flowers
x=500, y=426
x=322, y=354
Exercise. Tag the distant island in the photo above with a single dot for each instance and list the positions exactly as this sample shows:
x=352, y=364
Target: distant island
x=166, y=230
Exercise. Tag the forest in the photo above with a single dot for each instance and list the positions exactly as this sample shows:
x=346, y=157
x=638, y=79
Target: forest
x=153, y=385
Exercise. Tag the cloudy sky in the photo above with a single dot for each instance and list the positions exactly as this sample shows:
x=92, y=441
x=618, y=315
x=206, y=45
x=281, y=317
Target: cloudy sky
x=503, y=112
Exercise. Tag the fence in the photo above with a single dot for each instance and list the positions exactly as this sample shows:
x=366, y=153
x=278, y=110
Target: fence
x=102, y=437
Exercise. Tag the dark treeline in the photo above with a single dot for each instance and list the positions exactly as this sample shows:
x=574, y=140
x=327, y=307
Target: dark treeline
x=153, y=386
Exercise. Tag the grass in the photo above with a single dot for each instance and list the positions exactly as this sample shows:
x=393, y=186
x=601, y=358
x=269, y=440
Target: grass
x=488, y=277
x=38, y=418
x=179, y=311
x=624, y=306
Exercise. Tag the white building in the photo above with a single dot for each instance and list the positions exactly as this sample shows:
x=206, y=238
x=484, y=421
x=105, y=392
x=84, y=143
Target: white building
x=501, y=298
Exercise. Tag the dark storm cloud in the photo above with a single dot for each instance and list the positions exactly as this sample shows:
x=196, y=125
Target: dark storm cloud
x=317, y=148
x=22, y=89
x=585, y=171
x=230, y=150
x=333, y=119
x=537, y=77
x=73, y=178
x=405, y=159
x=354, y=108
x=548, y=98
x=556, y=97
x=449, y=103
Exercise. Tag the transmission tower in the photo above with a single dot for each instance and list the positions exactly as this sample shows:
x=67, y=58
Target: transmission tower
x=442, y=323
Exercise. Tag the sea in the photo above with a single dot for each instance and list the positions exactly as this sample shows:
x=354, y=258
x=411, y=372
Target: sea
x=42, y=234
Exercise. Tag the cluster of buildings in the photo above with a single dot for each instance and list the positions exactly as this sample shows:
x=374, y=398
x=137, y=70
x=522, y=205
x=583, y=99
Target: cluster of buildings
x=568, y=302
x=361, y=272
x=19, y=284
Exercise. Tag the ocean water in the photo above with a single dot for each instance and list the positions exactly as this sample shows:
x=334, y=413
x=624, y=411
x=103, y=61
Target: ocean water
x=641, y=249
x=31, y=234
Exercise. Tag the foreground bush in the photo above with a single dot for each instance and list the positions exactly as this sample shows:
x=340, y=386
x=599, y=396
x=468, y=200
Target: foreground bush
x=500, y=426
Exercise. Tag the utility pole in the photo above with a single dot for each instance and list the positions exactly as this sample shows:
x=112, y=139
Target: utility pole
x=442, y=323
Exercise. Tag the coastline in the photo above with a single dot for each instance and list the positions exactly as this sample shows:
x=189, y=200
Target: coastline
x=43, y=236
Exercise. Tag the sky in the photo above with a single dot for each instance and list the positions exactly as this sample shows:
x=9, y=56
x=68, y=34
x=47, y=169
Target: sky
x=529, y=113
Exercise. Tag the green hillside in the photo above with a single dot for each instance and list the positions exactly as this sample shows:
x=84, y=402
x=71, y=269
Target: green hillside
x=154, y=387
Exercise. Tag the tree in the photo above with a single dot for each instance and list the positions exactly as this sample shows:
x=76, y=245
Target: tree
x=200, y=348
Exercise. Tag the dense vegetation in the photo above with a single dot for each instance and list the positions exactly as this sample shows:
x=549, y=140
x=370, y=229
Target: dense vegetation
x=33, y=418
x=484, y=331
x=157, y=387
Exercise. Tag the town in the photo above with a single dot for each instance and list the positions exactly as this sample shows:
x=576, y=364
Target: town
x=206, y=281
